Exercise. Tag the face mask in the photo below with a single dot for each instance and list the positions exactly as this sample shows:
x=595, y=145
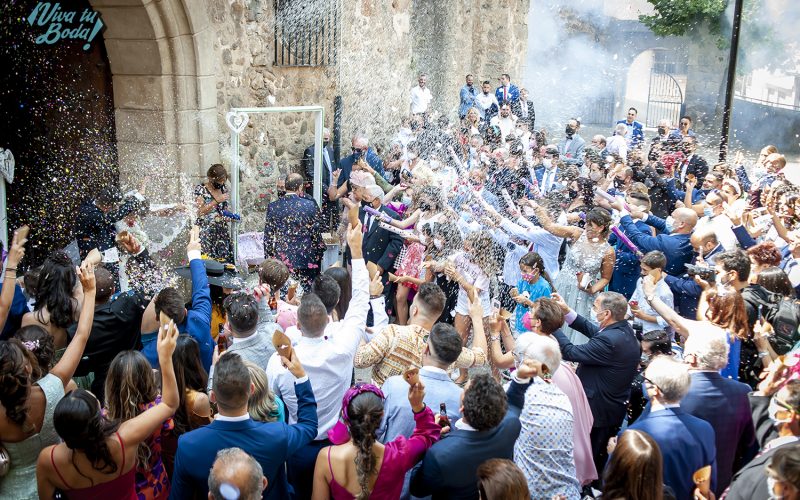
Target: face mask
x=595, y=176
x=572, y=193
x=325, y=143
x=669, y=223
x=477, y=187
x=439, y=244
x=774, y=408
x=719, y=279
x=217, y=185
x=365, y=203
x=771, y=481
x=708, y=212
x=473, y=151
x=424, y=205
x=619, y=183
x=569, y=131
x=662, y=130
x=281, y=192
x=412, y=156
x=593, y=316
x=529, y=277
x=759, y=171
x=644, y=358
x=406, y=200
x=547, y=162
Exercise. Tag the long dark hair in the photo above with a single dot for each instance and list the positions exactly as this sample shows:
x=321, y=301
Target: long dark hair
x=635, y=471
x=130, y=385
x=534, y=260
x=342, y=277
x=365, y=413
x=57, y=280
x=190, y=375
x=80, y=424
x=15, y=382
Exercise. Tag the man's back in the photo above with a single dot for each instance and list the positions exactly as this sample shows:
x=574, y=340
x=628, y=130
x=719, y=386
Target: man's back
x=687, y=444
x=452, y=463
x=269, y=443
x=293, y=232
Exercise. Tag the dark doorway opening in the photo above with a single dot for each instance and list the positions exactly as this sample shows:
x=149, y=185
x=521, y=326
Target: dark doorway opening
x=57, y=118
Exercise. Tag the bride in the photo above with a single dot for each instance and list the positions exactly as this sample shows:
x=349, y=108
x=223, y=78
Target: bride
x=589, y=263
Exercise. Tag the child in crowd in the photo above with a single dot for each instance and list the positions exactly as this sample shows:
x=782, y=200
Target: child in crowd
x=533, y=284
x=652, y=263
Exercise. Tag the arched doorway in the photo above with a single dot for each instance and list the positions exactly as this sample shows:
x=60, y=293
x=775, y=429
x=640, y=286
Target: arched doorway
x=140, y=105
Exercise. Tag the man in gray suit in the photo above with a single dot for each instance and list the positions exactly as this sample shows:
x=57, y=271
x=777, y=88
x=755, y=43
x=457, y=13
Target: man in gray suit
x=241, y=311
x=571, y=147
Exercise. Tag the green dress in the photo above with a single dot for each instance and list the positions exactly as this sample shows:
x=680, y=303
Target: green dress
x=20, y=482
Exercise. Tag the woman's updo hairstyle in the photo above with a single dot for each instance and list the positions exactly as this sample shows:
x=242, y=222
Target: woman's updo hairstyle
x=16, y=364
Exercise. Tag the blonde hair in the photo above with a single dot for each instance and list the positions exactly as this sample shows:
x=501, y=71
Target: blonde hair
x=261, y=405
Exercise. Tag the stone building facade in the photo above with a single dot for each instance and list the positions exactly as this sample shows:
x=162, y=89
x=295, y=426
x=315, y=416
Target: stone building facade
x=178, y=66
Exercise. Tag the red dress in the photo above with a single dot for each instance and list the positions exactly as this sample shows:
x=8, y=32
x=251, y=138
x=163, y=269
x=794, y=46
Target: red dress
x=120, y=488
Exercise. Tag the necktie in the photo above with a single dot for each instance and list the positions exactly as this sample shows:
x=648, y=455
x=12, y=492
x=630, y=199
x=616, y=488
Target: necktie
x=327, y=160
x=505, y=93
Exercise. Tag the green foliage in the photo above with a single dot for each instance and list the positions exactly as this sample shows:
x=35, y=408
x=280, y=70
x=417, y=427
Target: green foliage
x=681, y=17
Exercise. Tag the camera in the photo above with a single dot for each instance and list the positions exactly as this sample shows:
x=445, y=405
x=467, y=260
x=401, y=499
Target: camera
x=702, y=272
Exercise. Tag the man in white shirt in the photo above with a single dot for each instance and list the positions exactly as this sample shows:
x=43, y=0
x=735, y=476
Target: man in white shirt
x=643, y=313
x=505, y=120
x=327, y=361
x=420, y=96
x=714, y=217
x=486, y=101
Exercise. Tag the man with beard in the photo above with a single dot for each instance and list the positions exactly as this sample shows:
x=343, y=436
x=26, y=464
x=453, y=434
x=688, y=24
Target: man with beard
x=571, y=147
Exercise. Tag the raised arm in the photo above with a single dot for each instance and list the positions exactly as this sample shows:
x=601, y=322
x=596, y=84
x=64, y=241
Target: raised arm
x=680, y=324
x=68, y=363
x=15, y=254
x=568, y=232
x=134, y=431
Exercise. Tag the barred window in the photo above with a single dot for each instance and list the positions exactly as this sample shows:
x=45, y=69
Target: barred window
x=306, y=32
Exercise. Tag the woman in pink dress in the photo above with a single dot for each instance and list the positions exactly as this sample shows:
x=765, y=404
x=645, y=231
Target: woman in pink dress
x=359, y=467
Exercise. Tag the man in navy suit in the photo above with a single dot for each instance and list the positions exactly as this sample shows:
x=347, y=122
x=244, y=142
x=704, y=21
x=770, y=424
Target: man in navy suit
x=635, y=133
x=684, y=288
x=507, y=91
x=486, y=431
x=692, y=163
x=269, y=443
x=673, y=241
x=330, y=209
x=626, y=266
x=547, y=173
x=293, y=232
x=686, y=442
x=379, y=245
x=608, y=363
x=777, y=417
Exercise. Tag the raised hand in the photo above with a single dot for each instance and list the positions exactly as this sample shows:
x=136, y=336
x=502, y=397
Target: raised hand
x=86, y=275
x=17, y=250
x=561, y=303
x=376, y=285
x=167, y=338
x=416, y=393
x=530, y=368
x=194, y=240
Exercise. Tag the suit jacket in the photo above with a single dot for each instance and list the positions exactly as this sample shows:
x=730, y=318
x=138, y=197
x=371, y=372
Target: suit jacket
x=676, y=247
x=530, y=119
x=687, y=444
x=750, y=483
x=449, y=468
x=638, y=131
x=513, y=94
x=293, y=232
x=327, y=166
x=269, y=443
x=539, y=172
x=95, y=228
x=466, y=97
x=608, y=363
x=686, y=290
x=346, y=165
x=379, y=245
x=572, y=155
x=723, y=403
x=626, y=266
x=697, y=166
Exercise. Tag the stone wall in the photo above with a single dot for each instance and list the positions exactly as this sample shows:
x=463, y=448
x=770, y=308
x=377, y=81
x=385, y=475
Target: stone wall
x=382, y=47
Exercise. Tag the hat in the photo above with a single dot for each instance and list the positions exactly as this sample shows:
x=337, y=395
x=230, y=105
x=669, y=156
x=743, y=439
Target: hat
x=361, y=178
x=218, y=274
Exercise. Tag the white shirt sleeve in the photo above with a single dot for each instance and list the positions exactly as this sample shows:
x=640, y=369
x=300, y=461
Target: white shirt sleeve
x=355, y=321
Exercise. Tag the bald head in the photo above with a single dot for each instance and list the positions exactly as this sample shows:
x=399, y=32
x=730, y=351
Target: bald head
x=704, y=240
x=235, y=474
x=294, y=183
x=685, y=220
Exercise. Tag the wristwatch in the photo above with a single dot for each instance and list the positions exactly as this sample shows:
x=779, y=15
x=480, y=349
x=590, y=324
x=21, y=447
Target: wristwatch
x=650, y=298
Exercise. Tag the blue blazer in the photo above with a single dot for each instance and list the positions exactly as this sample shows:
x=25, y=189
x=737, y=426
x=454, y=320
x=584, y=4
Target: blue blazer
x=513, y=93
x=379, y=246
x=449, y=468
x=676, y=247
x=197, y=322
x=687, y=444
x=467, y=97
x=638, y=131
x=608, y=364
x=269, y=443
x=686, y=291
x=346, y=165
x=626, y=266
x=723, y=403
x=293, y=232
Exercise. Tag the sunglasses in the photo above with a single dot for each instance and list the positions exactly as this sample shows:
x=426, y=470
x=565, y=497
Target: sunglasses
x=786, y=406
x=650, y=382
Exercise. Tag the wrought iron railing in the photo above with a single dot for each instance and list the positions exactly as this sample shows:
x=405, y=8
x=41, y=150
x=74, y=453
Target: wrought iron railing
x=306, y=32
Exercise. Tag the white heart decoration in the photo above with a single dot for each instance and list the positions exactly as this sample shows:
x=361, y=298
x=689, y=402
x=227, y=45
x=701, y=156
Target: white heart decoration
x=236, y=121
x=7, y=165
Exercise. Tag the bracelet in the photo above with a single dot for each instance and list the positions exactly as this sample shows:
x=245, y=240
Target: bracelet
x=762, y=354
x=423, y=409
x=373, y=297
x=11, y=269
x=494, y=338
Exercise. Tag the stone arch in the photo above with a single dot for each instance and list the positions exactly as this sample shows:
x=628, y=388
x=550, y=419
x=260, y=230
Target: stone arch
x=161, y=58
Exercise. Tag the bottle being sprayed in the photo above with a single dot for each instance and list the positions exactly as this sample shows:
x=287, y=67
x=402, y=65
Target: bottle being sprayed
x=444, y=420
